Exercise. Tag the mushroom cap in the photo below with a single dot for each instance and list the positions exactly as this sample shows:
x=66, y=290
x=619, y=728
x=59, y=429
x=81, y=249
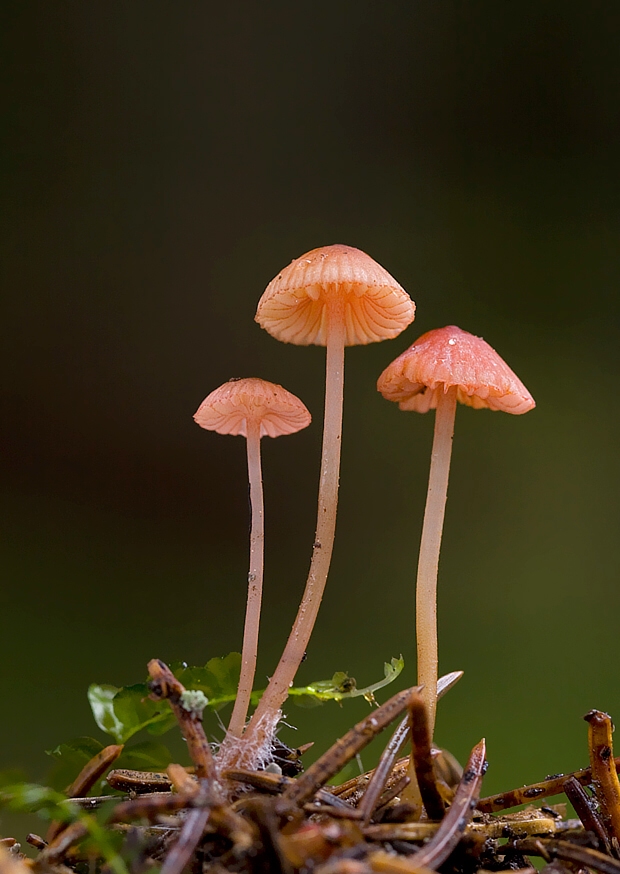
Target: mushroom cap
x=294, y=308
x=448, y=357
x=228, y=409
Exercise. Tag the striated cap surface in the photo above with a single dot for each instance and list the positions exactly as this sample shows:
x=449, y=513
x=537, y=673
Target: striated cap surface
x=295, y=305
x=449, y=357
x=228, y=409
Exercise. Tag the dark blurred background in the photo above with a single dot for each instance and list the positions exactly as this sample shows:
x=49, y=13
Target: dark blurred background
x=162, y=162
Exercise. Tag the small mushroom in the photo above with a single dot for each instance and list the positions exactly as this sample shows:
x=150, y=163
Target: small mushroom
x=252, y=408
x=442, y=367
x=334, y=296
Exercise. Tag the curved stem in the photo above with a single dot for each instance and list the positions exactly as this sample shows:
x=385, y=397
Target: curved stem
x=428, y=562
x=255, y=583
x=290, y=660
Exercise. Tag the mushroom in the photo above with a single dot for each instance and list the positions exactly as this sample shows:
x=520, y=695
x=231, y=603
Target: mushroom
x=334, y=296
x=442, y=367
x=252, y=408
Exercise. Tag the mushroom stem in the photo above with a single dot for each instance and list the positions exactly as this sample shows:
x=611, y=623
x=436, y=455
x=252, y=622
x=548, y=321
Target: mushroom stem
x=283, y=677
x=428, y=562
x=255, y=583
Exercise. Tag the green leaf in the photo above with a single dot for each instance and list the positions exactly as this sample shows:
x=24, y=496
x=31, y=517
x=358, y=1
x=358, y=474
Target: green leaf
x=70, y=759
x=83, y=748
x=100, y=698
x=147, y=755
x=105, y=843
x=32, y=798
x=123, y=711
x=227, y=671
x=306, y=700
x=163, y=723
x=135, y=710
x=218, y=679
x=342, y=686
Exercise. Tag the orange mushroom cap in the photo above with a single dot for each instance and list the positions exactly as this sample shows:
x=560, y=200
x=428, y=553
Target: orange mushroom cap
x=294, y=308
x=448, y=357
x=228, y=409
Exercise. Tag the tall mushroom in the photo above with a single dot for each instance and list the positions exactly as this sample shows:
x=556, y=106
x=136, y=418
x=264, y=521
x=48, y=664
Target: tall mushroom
x=252, y=408
x=442, y=367
x=334, y=296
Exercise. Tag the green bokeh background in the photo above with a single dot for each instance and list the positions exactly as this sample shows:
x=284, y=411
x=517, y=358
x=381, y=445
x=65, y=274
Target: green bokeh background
x=163, y=162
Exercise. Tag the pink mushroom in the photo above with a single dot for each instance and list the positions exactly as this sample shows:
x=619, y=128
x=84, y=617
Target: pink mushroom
x=335, y=296
x=442, y=367
x=252, y=408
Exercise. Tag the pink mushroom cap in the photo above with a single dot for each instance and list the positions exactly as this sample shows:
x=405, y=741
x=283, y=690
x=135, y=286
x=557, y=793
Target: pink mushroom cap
x=228, y=409
x=294, y=307
x=447, y=357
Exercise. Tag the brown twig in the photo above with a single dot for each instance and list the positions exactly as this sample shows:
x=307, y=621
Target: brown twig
x=391, y=793
x=93, y=770
x=324, y=796
x=272, y=783
x=523, y=795
x=85, y=780
x=422, y=760
x=343, y=866
x=139, y=782
x=92, y=802
x=549, y=849
x=354, y=790
x=459, y=814
x=525, y=822
x=181, y=781
x=304, y=787
x=197, y=799
x=390, y=863
x=401, y=831
x=262, y=814
x=57, y=848
x=379, y=776
x=189, y=836
x=332, y=810
x=531, y=821
x=389, y=755
x=150, y=807
x=452, y=827
x=12, y=862
x=576, y=794
x=604, y=776
x=164, y=685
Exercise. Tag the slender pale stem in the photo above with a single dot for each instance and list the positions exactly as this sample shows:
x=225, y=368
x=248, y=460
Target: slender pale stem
x=428, y=563
x=297, y=643
x=255, y=583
